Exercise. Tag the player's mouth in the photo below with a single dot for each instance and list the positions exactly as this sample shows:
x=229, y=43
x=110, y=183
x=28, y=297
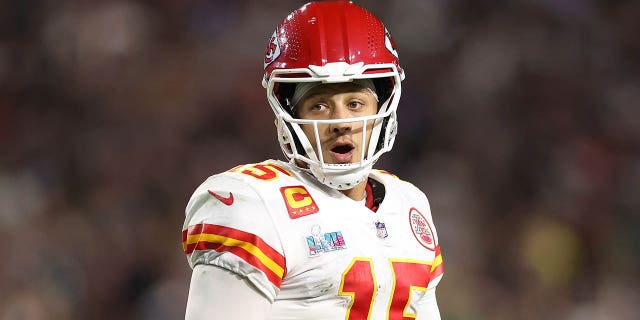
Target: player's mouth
x=342, y=152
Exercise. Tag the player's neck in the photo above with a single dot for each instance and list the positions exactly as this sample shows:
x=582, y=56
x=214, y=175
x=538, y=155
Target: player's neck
x=356, y=193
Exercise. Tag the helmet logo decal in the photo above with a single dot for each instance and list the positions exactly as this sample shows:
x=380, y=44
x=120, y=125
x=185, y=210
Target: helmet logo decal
x=273, y=49
x=389, y=43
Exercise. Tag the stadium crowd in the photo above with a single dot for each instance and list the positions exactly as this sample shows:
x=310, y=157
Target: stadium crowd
x=519, y=119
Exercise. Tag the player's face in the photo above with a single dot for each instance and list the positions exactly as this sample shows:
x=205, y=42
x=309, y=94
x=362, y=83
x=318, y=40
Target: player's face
x=340, y=142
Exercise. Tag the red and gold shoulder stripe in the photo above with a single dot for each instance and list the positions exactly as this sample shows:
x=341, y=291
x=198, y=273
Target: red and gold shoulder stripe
x=246, y=246
x=437, y=268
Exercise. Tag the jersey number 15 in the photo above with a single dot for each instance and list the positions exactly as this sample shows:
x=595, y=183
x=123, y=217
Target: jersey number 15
x=359, y=283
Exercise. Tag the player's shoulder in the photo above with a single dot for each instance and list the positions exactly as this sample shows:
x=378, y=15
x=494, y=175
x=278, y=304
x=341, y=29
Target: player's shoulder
x=238, y=198
x=392, y=180
x=243, y=185
x=396, y=185
x=253, y=174
x=232, y=210
x=268, y=171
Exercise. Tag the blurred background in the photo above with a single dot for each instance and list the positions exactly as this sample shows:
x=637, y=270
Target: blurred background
x=519, y=119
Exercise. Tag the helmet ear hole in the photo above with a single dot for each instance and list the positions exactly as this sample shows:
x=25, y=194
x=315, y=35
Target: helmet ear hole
x=384, y=89
x=284, y=92
x=296, y=140
x=381, y=139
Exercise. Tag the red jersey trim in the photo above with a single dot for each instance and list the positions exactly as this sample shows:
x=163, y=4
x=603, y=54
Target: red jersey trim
x=244, y=245
x=437, y=268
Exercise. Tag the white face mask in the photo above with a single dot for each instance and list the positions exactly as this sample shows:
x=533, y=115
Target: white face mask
x=382, y=128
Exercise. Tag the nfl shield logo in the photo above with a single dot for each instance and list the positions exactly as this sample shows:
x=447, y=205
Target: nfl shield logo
x=381, y=230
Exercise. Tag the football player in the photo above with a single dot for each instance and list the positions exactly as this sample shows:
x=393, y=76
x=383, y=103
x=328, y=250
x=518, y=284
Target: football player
x=322, y=235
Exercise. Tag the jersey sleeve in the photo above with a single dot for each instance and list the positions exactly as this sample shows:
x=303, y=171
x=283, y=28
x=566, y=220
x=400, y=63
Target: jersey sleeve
x=437, y=266
x=428, y=305
x=228, y=225
x=428, y=308
x=237, y=301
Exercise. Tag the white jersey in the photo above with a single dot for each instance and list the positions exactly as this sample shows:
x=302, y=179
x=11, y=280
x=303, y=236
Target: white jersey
x=312, y=251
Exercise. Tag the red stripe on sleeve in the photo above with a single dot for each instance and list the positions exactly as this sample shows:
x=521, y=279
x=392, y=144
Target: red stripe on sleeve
x=439, y=270
x=238, y=251
x=244, y=255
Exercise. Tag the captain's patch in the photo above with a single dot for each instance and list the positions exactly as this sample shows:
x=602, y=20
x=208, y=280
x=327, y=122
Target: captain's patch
x=298, y=201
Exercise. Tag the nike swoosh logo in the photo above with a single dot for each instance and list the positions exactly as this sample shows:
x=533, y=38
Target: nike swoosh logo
x=226, y=200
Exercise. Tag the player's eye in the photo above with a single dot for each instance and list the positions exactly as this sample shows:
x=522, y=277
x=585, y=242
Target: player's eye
x=317, y=106
x=355, y=104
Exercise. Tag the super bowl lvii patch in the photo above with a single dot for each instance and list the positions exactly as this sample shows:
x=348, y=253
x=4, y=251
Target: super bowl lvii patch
x=319, y=242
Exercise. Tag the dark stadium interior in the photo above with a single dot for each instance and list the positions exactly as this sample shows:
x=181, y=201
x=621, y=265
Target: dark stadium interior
x=519, y=119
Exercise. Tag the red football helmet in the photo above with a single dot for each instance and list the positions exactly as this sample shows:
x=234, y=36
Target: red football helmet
x=330, y=42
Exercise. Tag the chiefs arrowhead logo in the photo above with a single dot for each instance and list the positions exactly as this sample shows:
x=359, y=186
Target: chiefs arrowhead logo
x=226, y=200
x=389, y=43
x=273, y=49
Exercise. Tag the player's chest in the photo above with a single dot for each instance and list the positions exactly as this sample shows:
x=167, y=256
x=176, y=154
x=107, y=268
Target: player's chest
x=344, y=247
x=317, y=227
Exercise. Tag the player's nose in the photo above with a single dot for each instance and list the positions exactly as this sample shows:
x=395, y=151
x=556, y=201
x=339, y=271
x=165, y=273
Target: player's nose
x=340, y=112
